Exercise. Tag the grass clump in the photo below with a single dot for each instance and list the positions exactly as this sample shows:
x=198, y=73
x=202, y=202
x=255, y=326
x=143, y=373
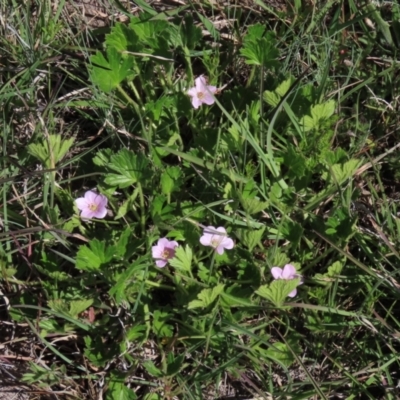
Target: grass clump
x=200, y=202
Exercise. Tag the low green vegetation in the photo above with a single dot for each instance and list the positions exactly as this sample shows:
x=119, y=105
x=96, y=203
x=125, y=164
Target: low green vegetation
x=199, y=199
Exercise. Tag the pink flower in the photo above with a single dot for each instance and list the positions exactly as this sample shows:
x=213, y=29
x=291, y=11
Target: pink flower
x=288, y=272
x=93, y=205
x=201, y=92
x=217, y=238
x=163, y=251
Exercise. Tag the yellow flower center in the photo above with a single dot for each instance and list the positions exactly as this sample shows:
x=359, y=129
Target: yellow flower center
x=200, y=95
x=93, y=207
x=167, y=253
x=216, y=240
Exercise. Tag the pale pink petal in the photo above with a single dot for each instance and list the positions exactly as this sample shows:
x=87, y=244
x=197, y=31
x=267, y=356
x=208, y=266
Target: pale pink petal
x=293, y=293
x=289, y=271
x=161, y=263
x=91, y=196
x=196, y=102
x=211, y=89
x=87, y=213
x=276, y=272
x=192, y=92
x=220, y=249
x=100, y=213
x=81, y=203
x=101, y=201
x=206, y=239
x=212, y=230
x=200, y=83
x=208, y=99
x=228, y=243
x=163, y=242
x=163, y=251
x=172, y=244
x=156, y=251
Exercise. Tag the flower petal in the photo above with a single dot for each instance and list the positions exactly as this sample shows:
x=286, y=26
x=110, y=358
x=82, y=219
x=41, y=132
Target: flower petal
x=220, y=249
x=101, y=201
x=91, y=196
x=196, y=102
x=211, y=89
x=192, y=92
x=227, y=243
x=200, y=83
x=276, y=272
x=81, y=203
x=87, y=213
x=163, y=242
x=292, y=293
x=211, y=230
x=156, y=251
x=172, y=244
x=161, y=263
x=289, y=271
x=100, y=213
x=208, y=99
x=206, y=239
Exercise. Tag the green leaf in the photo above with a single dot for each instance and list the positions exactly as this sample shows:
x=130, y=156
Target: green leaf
x=278, y=290
x=319, y=114
x=190, y=33
x=323, y=111
x=160, y=107
x=160, y=326
x=153, y=396
x=152, y=369
x=338, y=156
x=296, y=162
x=102, y=157
x=284, y=86
x=78, y=306
x=206, y=297
x=58, y=305
x=151, y=32
x=170, y=180
x=292, y=231
x=281, y=353
x=122, y=38
x=279, y=259
x=123, y=208
x=308, y=123
x=52, y=151
x=91, y=259
x=254, y=205
x=108, y=74
x=259, y=47
x=183, y=258
x=335, y=269
x=234, y=301
x=273, y=98
x=120, y=248
x=251, y=238
x=130, y=168
x=117, y=390
x=175, y=364
x=136, y=333
x=341, y=172
x=118, y=290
